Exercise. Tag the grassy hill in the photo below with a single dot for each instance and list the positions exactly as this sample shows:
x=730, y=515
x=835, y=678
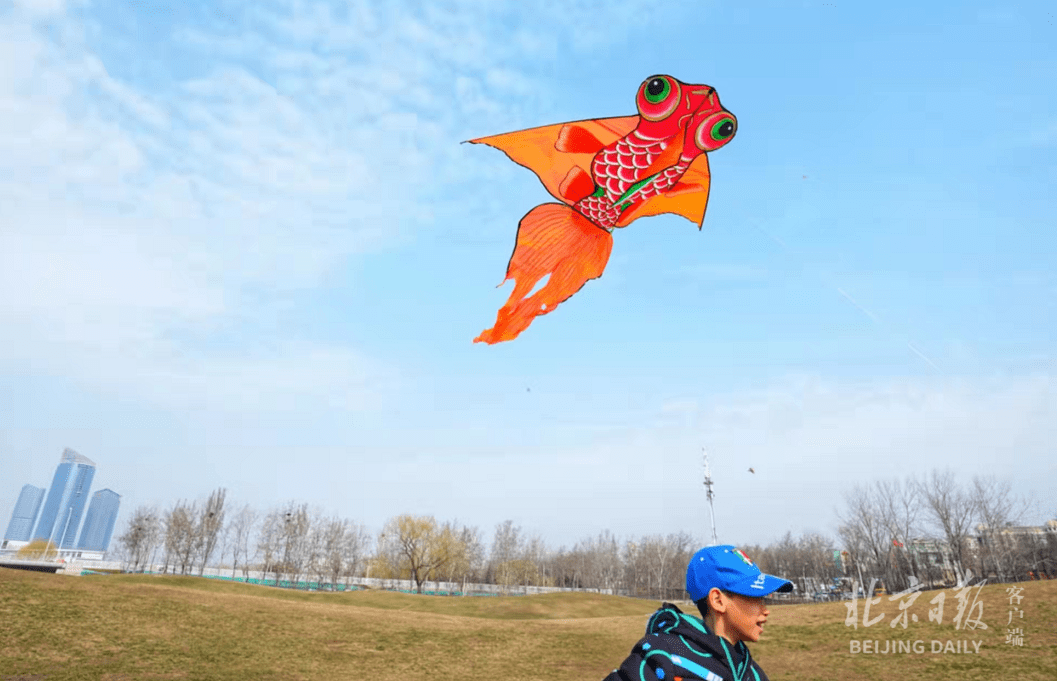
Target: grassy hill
x=148, y=627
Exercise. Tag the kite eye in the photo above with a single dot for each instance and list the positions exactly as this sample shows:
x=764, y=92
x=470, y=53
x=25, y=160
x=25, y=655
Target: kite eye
x=723, y=129
x=715, y=132
x=658, y=97
x=656, y=90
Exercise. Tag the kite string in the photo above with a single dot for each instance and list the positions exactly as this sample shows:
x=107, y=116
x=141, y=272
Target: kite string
x=844, y=294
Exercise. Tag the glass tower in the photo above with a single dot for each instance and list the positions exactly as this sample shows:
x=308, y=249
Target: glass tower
x=69, y=490
x=99, y=522
x=25, y=513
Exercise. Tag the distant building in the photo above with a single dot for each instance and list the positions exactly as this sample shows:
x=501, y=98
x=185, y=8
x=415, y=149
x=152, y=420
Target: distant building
x=69, y=490
x=25, y=514
x=934, y=561
x=99, y=522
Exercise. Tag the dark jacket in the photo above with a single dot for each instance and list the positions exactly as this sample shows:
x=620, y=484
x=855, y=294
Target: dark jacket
x=677, y=646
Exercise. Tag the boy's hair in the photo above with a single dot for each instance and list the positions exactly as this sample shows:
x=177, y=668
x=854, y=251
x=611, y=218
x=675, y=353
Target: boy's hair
x=702, y=607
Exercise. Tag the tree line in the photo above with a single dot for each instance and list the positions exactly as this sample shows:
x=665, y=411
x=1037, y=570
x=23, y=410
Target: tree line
x=931, y=529
x=900, y=532
x=291, y=542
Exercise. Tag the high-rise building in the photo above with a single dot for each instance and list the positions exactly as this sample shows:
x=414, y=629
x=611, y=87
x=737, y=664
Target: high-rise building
x=25, y=514
x=69, y=490
x=99, y=521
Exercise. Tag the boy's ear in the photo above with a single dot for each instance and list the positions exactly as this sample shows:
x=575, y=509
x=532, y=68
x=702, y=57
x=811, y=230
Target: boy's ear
x=716, y=601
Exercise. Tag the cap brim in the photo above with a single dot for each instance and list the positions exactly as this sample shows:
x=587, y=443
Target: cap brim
x=756, y=588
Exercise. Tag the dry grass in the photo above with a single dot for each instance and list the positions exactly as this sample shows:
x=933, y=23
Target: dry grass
x=143, y=627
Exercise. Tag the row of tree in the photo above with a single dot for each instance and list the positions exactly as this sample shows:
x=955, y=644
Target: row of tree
x=931, y=529
x=878, y=524
x=291, y=543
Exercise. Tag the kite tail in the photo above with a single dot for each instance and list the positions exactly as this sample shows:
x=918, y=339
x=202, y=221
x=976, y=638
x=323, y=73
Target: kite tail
x=552, y=239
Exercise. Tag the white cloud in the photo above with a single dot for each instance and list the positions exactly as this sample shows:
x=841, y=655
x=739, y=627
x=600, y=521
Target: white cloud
x=809, y=440
x=134, y=218
x=143, y=217
x=45, y=8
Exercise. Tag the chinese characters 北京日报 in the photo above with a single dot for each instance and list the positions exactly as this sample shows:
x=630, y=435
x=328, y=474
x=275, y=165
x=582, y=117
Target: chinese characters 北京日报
x=969, y=613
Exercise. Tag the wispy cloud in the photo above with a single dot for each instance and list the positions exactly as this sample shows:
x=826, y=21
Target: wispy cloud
x=45, y=8
x=909, y=424
x=143, y=214
x=133, y=218
x=810, y=439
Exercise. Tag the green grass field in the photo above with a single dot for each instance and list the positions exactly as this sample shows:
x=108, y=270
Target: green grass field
x=148, y=627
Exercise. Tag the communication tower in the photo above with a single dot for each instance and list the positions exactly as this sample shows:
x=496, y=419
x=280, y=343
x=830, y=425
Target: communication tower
x=710, y=495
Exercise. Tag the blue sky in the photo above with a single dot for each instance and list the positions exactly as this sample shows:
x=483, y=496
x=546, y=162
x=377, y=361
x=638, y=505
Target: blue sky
x=242, y=245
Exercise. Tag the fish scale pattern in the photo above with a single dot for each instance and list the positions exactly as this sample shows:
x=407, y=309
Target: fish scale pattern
x=617, y=169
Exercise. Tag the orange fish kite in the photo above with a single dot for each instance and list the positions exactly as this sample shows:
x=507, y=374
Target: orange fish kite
x=607, y=173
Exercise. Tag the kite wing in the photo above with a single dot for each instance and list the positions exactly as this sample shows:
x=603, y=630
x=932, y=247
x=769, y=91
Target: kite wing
x=538, y=148
x=687, y=198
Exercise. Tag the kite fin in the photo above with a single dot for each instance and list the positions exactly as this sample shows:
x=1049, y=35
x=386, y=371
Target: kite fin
x=555, y=240
x=576, y=139
x=577, y=185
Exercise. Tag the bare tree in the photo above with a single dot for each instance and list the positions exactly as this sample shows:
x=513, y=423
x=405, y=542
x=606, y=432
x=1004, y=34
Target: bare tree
x=269, y=543
x=506, y=548
x=632, y=557
x=241, y=527
x=141, y=537
x=354, y=550
x=333, y=553
x=601, y=559
x=209, y=525
x=569, y=568
x=815, y=562
x=316, y=558
x=663, y=561
x=474, y=541
x=996, y=508
x=901, y=505
x=181, y=536
x=683, y=547
x=535, y=553
x=295, y=541
x=467, y=559
x=866, y=529
x=950, y=510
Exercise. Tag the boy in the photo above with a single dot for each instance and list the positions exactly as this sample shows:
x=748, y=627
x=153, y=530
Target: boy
x=728, y=589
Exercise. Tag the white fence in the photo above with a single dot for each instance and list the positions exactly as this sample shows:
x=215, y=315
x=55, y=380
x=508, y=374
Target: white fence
x=312, y=583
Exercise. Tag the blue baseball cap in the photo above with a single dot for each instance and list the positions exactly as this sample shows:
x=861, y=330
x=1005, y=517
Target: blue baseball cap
x=729, y=569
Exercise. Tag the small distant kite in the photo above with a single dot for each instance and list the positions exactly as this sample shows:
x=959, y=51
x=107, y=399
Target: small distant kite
x=607, y=173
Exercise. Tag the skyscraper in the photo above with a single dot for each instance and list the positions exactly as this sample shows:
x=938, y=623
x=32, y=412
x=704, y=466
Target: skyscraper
x=99, y=522
x=69, y=490
x=25, y=513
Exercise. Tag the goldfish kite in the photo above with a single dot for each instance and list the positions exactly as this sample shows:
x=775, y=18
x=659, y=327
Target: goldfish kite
x=607, y=173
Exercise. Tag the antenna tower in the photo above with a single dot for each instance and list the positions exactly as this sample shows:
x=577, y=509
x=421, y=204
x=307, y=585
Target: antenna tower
x=710, y=495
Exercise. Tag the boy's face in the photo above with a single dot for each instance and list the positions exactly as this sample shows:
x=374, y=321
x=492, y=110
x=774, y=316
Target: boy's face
x=745, y=617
